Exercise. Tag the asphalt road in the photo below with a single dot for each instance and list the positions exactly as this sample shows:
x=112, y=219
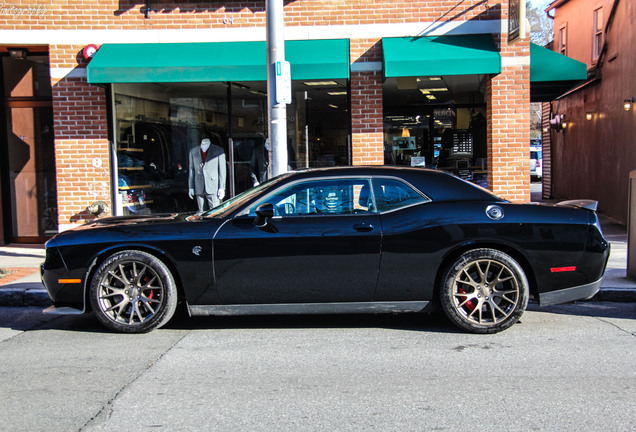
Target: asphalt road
x=569, y=367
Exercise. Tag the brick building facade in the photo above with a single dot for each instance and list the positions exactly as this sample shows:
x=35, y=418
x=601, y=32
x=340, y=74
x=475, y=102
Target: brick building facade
x=386, y=117
x=594, y=155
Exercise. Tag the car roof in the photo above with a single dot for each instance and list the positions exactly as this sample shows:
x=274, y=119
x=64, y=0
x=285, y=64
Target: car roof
x=438, y=185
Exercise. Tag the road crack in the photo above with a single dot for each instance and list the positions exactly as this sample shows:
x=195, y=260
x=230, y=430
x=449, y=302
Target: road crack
x=616, y=326
x=106, y=411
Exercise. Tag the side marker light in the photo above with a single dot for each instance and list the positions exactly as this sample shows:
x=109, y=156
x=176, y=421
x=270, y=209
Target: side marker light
x=562, y=269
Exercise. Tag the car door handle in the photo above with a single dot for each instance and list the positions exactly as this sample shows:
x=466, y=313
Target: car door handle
x=363, y=227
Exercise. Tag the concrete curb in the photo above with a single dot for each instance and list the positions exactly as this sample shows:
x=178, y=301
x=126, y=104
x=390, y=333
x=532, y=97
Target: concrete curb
x=19, y=297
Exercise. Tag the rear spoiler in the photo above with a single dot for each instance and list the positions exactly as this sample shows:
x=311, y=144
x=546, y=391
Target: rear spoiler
x=582, y=203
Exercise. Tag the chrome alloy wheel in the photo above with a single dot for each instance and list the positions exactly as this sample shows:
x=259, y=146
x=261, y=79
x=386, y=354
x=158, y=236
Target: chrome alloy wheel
x=485, y=292
x=130, y=292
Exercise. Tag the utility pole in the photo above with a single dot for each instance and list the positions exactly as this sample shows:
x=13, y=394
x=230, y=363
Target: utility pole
x=278, y=87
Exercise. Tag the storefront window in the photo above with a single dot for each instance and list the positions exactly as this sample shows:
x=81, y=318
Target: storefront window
x=157, y=125
x=437, y=122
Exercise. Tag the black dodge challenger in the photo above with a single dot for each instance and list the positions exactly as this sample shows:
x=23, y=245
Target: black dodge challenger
x=335, y=240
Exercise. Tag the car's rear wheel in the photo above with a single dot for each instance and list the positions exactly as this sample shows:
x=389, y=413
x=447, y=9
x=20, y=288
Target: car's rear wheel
x=133, y=292
x=484, y=291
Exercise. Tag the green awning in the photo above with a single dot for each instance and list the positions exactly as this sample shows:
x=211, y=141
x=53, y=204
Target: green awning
x=441, y=55
x=215, y=61
x=547, y=65
x=552, y=74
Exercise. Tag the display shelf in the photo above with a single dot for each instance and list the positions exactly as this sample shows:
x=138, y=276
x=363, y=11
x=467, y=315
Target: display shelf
x=131, y=168
x=130, y=149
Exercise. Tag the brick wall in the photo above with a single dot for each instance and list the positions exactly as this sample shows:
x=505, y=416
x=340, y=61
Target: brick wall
x=367, y=126
x=508, y=101
x=81, y=139
x=123, y=14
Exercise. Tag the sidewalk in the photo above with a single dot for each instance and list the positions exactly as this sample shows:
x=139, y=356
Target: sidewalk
x=23, y=287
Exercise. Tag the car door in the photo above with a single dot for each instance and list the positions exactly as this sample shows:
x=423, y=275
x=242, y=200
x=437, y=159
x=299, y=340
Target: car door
x=322, y=245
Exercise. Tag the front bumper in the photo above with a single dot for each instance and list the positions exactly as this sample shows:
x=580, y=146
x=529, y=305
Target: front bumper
x=63, y=286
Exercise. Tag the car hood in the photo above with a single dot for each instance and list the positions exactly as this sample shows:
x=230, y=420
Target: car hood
x=138, y=228
x=139, y=220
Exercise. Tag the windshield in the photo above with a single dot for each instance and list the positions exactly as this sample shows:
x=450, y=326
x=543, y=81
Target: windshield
x=234, y=203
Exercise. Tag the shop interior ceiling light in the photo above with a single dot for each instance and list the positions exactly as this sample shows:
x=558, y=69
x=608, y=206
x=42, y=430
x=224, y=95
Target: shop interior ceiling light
x=321, y=83
x=627, y=104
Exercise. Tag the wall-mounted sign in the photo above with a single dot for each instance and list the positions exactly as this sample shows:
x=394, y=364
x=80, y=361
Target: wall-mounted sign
x=283, y=82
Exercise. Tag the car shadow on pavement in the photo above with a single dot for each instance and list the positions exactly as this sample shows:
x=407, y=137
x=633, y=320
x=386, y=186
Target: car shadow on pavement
x=33, y=318
x=435, y=322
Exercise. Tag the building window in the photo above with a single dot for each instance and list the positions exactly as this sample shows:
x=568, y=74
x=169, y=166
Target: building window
x=158, y=124
x=438, y=122
x=598, y=33
x=563, y=39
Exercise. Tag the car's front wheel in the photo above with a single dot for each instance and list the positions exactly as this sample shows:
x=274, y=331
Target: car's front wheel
x=133, y=292
x=484, y=291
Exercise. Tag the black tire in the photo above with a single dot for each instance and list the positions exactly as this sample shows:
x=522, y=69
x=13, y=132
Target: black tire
x=133, y=292
x=484, y=291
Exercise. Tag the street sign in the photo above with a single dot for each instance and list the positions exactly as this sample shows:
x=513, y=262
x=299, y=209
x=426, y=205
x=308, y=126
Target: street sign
x=283, y=82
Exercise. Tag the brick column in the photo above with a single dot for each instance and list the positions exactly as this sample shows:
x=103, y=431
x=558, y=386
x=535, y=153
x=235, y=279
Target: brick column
x=508, y=101
x=367, y=128
x=81, y=140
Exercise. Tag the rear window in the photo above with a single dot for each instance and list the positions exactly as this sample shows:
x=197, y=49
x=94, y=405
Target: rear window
x=392, y=194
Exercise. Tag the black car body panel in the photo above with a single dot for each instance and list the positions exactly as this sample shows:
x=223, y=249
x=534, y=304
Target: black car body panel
x=392, y=258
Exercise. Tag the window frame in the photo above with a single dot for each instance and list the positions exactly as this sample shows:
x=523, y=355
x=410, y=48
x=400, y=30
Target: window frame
x=597, y=32
x=563, y=39
x=371, y=179
x=375, y=179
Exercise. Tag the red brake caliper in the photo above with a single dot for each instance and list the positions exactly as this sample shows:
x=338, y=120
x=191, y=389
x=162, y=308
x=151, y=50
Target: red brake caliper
x=471, y=304
x=151, y=294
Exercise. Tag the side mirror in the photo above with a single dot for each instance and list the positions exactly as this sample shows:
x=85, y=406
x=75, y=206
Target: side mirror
x=263, y=212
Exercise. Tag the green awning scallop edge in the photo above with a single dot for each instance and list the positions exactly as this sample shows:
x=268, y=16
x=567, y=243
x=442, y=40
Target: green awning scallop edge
x=440, y=55
x=215, y=61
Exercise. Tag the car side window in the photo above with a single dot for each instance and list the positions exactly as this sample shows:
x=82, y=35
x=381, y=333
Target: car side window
x=392, y=194
x=321, y=197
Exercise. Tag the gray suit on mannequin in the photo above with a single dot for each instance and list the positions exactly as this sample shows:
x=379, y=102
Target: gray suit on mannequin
x=206, y=179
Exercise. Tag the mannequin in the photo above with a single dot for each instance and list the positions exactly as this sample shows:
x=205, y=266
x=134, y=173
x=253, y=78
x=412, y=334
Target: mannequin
x=206, y=175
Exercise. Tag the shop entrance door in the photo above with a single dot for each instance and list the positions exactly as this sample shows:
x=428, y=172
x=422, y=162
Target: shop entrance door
x=27, y=155
x=31, y=167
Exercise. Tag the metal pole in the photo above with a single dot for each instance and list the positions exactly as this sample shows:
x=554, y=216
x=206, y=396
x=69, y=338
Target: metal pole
x=277, y=127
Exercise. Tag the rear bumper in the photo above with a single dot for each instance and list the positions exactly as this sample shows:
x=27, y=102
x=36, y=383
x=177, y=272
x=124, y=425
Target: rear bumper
x=581, y=292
